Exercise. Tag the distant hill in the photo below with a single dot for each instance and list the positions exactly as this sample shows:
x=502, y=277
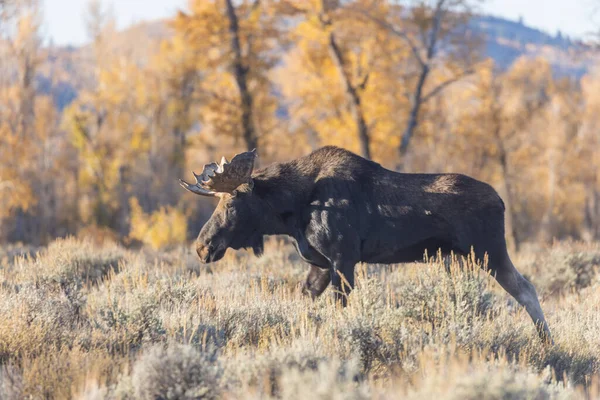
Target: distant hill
x=507, y=40
x=69, y=69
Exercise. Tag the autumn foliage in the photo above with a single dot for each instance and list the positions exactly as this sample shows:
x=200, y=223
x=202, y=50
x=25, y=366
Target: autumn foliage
x=405, y=85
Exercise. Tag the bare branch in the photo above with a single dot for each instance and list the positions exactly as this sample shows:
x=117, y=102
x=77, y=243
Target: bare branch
x=363, y=83
x=353, y=96
x=439, y=88
x=401, y=34
x=433, y=34
x=240, y=73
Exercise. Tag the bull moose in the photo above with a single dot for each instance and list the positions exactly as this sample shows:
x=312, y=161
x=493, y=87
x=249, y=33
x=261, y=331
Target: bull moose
x=341, y=209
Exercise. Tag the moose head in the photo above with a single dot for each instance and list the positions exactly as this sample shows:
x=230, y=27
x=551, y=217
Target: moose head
x=236, y=222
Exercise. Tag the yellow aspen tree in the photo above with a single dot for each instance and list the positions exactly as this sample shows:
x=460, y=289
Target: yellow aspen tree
x=21, y=58
x=589, y=143
x=425, y=27
x=496, y=125
x=234, y=44
x=343, y=91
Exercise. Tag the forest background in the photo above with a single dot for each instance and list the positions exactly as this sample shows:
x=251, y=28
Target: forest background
x=94, y=138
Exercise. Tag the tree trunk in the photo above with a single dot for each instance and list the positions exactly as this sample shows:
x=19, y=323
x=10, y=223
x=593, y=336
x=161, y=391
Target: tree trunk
x=240, y=72
x=596, y=209
x=416, y=101
x=546, y=225
x=417, y=98
x=511, y=229
x=353, y=99
x=76, y=200
x=27, y=70
x=591, y=231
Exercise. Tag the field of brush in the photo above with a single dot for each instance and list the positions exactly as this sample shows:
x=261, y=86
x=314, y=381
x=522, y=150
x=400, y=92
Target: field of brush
x=86, y=321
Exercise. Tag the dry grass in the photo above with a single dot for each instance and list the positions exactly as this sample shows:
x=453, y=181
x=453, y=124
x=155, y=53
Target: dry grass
x=91, y=322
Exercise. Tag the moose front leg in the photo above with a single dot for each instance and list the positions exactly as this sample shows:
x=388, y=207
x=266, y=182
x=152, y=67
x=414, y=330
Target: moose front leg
x=342, y=281
x=317, y=281
x=331, y=233
x=341, y=251
x=319, y=275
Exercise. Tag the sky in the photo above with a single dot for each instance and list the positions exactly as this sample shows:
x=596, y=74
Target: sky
x=576, y=18
x=64, y=19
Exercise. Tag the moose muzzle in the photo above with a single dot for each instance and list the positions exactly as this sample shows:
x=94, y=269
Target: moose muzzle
x=210, y=253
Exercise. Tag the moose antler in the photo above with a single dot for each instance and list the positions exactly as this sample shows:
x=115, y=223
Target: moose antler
x=224, y=177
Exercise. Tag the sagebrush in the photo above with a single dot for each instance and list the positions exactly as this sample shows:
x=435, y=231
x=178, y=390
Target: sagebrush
x=85, y=321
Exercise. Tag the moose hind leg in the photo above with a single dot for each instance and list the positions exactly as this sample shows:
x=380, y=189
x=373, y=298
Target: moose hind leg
x=317, y=281
x=524, y=292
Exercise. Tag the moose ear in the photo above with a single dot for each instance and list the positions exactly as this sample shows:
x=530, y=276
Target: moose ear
x=244, y=187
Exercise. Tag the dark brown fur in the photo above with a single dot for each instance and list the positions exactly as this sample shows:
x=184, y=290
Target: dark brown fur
x=342, y=209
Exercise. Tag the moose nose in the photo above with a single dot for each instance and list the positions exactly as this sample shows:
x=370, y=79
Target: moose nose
x=203, y=252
